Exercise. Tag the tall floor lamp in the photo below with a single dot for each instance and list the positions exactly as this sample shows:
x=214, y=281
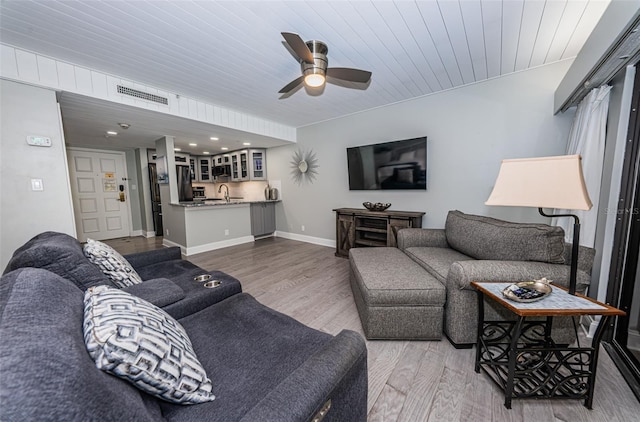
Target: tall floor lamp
x=545, y=182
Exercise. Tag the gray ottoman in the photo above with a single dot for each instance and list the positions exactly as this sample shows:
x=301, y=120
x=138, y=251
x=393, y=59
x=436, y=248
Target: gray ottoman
x=396, y=297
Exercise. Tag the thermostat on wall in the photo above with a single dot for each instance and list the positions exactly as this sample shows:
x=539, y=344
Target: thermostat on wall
x=39, y=141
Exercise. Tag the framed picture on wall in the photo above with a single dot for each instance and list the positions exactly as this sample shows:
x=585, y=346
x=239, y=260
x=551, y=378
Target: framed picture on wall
x=161, y=168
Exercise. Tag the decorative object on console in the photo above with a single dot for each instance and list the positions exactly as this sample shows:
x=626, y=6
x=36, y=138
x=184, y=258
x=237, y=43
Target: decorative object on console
x=378, y=206
x=545, y=182
x=528, y=291
x=304, y=165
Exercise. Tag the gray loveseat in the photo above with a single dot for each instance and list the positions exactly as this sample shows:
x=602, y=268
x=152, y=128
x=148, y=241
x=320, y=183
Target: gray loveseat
x=476, y=248
x=263, y=365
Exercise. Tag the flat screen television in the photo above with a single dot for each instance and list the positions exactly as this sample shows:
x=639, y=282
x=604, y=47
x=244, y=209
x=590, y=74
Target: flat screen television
x=389, y=165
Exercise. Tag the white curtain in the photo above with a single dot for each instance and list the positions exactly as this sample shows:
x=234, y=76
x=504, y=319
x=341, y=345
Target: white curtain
x=587, y=137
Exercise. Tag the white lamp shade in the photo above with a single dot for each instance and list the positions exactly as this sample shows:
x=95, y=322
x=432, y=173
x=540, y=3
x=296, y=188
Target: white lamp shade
x=543, y=182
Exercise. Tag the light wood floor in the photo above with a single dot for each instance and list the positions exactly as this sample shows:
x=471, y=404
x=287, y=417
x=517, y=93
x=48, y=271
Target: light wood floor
x=408, y=380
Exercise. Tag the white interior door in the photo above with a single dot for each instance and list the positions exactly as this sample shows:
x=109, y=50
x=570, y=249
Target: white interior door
x=96, y=178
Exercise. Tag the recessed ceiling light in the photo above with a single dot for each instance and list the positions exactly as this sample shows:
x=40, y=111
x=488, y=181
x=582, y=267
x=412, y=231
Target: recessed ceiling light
x=112, y=133
x=177, y=149
x=213, y=138
x=205, y=152
x=193, y=145
x=246, y=143
x=224, y=148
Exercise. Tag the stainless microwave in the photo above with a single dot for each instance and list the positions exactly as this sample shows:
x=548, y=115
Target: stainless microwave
x=222, y=170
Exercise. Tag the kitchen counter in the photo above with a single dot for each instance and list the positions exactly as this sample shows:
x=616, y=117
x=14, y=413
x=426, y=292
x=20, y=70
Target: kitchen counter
x=201, y=226
x=220, y=202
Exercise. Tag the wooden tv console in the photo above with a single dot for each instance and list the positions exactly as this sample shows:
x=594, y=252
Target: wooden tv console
x=361, y=228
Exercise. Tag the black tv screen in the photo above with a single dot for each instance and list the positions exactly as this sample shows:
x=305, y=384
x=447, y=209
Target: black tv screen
x=389, y=165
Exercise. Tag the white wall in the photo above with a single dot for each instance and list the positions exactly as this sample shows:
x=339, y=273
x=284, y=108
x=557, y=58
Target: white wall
x=27, y=110
x=469, y=130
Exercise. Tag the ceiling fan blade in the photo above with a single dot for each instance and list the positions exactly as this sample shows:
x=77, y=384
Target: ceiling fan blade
x=362, y=86
x=292, y=85
x=348, y=74
x=298, y=46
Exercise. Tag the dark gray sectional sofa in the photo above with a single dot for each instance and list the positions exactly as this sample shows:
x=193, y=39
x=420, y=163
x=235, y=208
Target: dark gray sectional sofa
x=168, y=279
x=264, y=366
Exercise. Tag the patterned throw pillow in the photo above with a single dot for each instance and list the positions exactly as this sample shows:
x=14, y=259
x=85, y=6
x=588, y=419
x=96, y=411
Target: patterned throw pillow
x=114, y=265
x=139, y=342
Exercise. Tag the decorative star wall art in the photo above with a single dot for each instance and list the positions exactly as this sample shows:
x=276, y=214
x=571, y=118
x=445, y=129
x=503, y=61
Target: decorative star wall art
x=304, y=166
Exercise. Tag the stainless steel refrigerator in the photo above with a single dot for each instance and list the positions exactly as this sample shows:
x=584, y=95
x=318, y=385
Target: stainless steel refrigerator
x=156, y=205
x=185, y=191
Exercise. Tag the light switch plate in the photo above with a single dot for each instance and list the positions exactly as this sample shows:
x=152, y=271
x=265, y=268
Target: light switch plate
x=36, y=185
x=39, y=141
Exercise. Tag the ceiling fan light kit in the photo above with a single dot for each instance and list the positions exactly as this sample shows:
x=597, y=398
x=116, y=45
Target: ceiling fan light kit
x=312, y=56
x=314, y=80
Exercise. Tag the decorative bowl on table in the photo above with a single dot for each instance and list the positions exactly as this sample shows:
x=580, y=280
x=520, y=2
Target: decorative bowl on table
x=378, y=206
x=528, y=291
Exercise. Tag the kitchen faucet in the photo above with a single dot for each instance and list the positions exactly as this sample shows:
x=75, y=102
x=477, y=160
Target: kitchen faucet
x=226, y=194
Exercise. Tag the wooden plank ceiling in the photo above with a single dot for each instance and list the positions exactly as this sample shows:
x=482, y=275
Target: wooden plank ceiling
x=231, y=53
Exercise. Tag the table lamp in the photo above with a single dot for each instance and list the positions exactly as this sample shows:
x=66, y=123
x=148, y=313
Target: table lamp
x=545, y=182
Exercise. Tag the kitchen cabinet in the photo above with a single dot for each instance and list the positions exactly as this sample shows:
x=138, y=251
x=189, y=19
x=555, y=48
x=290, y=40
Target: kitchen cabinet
x=221, y=171
x=192, y=169
x=235, y=169
x=257, y=164
x=240, y=166
x=263, y=218
x=221, y=160
x=248, y=164
x=204, y=169
x=181, y=158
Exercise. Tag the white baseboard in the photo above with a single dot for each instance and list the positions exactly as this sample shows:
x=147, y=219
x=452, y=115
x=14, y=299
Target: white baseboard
x=169, y=244
x=246, y=239
x=309, y=239
x=209, y=246
x=264, y=236
x=217, y=245
x=142, y=233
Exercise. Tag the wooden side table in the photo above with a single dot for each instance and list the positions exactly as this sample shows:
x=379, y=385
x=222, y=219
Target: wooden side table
x=520, y=356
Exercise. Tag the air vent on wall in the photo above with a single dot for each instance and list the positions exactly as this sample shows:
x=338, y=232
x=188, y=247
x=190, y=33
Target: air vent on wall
x=142, y=95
